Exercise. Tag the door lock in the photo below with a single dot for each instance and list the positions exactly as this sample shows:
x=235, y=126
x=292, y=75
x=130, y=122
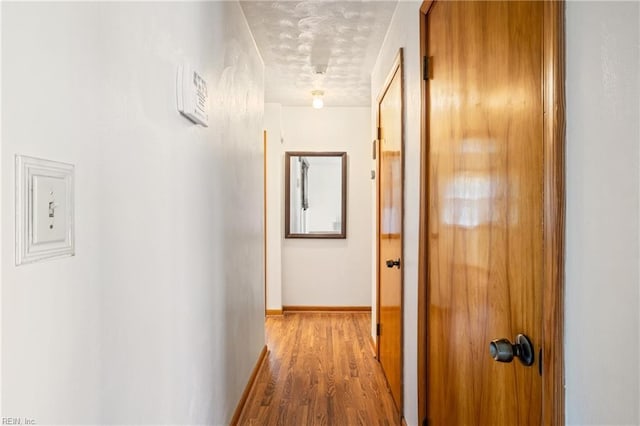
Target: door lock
x=391, y=263
x=502, y=350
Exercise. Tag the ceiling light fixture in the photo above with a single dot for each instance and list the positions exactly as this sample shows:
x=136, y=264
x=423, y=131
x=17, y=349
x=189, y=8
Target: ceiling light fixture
x=317, y=99
x=320, y=69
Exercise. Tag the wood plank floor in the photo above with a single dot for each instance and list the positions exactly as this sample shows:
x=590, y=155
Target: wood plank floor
x=320, y=370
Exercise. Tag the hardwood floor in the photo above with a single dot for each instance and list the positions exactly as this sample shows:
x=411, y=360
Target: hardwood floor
x=320, y=370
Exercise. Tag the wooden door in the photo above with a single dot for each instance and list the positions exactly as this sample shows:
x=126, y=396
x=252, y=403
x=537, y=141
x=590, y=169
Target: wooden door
x=485, y=209
x=390, y=206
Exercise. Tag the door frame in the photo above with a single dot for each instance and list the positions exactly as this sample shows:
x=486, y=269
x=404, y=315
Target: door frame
x=264, y=216
x=553, y=72
x=397, y=66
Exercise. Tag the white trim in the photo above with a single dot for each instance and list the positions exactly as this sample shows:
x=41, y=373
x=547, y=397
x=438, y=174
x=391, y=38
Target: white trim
x=27, y=170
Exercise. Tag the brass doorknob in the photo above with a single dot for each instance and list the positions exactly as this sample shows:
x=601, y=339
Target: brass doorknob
x=502, y=350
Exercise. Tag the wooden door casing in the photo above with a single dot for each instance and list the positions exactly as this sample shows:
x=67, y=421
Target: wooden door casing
x=389, y=230
x=264, y=217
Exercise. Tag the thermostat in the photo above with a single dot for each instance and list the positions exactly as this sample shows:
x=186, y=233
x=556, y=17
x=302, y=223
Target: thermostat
x=192, y=95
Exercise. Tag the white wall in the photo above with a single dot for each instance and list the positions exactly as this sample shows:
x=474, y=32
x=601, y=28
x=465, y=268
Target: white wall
x=327, y=272
x=275, y=204
x=159, y=316
x=404, y=32
x=602, y=172
x=1, y=216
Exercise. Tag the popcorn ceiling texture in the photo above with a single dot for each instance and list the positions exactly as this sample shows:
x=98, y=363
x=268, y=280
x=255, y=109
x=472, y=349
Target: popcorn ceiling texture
x=298, y=38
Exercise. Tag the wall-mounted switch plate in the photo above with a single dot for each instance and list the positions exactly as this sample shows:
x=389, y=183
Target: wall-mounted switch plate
x=44, y=210
x=49, y=209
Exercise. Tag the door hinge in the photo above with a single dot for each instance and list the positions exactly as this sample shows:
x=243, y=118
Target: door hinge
x=425, y=422
x=426, y=68
x=379, y=133
x=378, y=329
x=374, y=149
x=373, y=175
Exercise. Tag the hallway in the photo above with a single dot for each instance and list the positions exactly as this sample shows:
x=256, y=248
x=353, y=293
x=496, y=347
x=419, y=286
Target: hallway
x=133, y=275
x=320, y=370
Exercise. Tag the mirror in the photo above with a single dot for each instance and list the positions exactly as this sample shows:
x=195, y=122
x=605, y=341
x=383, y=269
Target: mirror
x=316, y=195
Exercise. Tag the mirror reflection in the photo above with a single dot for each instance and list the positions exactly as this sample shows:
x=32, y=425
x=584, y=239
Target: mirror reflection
x=315, y=195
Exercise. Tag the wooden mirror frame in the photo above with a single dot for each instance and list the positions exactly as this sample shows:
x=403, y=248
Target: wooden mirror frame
x=342, y=234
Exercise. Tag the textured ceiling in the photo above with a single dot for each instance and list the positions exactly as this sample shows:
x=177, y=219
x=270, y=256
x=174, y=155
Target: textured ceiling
x=299, y=38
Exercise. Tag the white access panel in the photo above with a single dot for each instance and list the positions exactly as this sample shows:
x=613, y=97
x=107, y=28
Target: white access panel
x=44, y=210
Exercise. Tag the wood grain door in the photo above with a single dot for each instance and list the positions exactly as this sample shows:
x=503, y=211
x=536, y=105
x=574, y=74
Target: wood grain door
x=485, y=207
x=390, y=210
